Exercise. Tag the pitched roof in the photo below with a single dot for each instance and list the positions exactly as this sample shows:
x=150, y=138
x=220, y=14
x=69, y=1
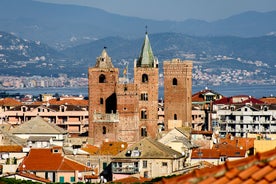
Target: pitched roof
x=29, y=176
x=199, y=96
x=104, y=61
x=260, y=168
x=132, y=179
x=11, y=148
x=112, y=148
x=239, y=99
x=149, y=148
x=217, y=153
x=9, y=102
x=146, y=57
x=268, y=100
x=46, y=159
x=69, y=102
x=37, y=125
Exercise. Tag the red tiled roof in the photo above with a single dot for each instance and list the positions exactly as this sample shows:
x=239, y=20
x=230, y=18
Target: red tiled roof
x=48, y=160
x=112, y=148
x=132, y=179
x=34, y=177
x=231, y=100
x=69, y=102
x=199, y=96
x=216, y=153
x=92, y=150
x=9, y=102
x=240, y=142
x=10, y=148
x=268, y=100
x=260, y=168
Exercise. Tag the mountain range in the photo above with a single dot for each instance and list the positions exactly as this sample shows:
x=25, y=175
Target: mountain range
x=63, y=26
x=50, y=39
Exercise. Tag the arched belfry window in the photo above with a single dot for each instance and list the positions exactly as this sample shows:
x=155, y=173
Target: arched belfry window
x=102, y=78
x=145, y=78
x=174, y=82
x=101, y=101
x=175, y=116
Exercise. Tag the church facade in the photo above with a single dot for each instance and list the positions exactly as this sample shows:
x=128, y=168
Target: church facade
x=128, y=111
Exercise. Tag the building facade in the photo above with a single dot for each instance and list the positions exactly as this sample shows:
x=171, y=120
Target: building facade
x=177, y=93
x=120, y=110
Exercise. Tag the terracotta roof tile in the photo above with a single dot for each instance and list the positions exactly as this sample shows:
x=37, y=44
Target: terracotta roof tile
x=269, y=100
x=46, y=159
x=259, y=168
x=271, y=176
x=248, y=172
x=112, y=148
x=221, y=180
x=10, y=148
x=232, y=173
x=235, y=181
x=249, y=181
x=132, y=179
x=69, y=102
x=261, y=173
x=9, y=102
x=207, y=181
x=262, y=182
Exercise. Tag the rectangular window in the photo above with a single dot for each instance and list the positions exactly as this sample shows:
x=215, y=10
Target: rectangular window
x=144, y=96
x=72, y=179
x=104, y=165
x=145, y=164
x=61, y=179
x=164, y=164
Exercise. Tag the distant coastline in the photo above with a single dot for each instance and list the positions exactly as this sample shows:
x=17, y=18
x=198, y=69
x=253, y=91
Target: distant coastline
x=256, y=91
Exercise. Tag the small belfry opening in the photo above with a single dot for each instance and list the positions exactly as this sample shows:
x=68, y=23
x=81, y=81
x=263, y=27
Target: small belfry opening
x=174, y=82
x=145, y=78
x=102, y=78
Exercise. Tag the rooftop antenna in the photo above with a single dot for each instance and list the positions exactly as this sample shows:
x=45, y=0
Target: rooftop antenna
x=146, y=27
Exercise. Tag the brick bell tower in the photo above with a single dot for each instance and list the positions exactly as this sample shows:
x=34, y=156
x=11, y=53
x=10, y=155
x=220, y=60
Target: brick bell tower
x=146, y=80
x=177, y=93
x=103, y=116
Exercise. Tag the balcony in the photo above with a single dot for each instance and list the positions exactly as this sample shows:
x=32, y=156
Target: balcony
x=126, y=170
x=103, y=118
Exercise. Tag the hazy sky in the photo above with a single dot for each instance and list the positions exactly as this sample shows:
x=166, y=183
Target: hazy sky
x=176, y=9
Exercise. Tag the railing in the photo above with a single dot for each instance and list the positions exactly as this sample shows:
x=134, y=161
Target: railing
x=129, y=170
x=97, y=117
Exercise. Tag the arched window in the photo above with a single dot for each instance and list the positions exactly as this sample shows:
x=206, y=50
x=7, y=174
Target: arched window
x=144, y=114
x=101, y=101
x=174, y=82
x=145, y=78
x=104, y=130
x=175, y=116
x=102, y=78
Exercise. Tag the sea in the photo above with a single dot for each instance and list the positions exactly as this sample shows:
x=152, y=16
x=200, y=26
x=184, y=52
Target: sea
x=256, y=91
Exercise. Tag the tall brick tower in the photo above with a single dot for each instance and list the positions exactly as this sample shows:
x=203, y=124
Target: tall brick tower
x=146, y=80
x=103, y=116
x=177, y=93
